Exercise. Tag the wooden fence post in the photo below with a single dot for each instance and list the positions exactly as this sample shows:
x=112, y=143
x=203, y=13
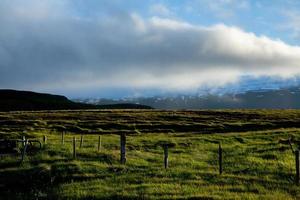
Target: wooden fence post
x=45, y=139
x=24, y=150
x=63, y=137
x=74, y=147
x=81, y=141
x=220, y=159
x=166, y=156
x=290, y=143
x=123, y=148
x=99, y=143
x=297, y=167
x=23, y=141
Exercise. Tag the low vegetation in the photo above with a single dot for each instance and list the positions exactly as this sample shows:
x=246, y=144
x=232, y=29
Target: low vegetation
x=258, y=162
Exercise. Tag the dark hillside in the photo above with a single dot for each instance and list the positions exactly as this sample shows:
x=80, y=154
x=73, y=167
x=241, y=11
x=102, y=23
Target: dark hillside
x=13, y=100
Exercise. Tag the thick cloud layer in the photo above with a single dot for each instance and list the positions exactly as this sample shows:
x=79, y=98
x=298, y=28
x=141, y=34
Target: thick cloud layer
x=47, y=44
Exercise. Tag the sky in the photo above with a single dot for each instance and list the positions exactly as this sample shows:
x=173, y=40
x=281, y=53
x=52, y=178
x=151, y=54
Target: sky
x=118, y=48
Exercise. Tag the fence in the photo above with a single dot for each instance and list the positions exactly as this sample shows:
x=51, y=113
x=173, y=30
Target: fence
x=24, y=142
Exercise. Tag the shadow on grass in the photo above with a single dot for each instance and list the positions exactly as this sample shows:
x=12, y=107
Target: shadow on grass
x=25, y=183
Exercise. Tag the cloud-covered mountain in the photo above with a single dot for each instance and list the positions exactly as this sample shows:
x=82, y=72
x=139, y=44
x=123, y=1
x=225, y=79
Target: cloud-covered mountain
x=288, y=98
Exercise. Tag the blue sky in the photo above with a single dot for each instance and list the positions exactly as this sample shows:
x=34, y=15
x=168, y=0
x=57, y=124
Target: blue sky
x=276, y=19
x=117, y=48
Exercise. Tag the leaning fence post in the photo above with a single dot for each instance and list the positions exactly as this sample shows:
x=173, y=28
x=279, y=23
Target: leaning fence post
x=290, y=143
x=45, y=139
x=123, y=148
x=81, y=141
x=297, y=167
x=99, y=143
x=74, y=147
x=220, y=159
x=166, y=156
x=24, y=151
x=63, y=137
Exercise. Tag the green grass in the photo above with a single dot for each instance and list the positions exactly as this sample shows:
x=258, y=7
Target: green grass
x=257, y=165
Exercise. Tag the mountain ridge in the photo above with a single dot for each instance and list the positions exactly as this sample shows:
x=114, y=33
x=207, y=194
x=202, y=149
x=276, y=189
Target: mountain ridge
x=284, y=98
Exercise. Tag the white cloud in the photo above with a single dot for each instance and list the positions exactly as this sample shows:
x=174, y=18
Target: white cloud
x=127, y=50
x=165, y=23
x=138, y=22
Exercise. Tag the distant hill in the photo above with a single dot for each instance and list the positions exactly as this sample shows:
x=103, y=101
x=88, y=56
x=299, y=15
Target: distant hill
x=13, y=100
x=287, y=98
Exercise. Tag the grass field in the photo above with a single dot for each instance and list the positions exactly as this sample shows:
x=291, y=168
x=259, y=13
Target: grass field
x=258, y=163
